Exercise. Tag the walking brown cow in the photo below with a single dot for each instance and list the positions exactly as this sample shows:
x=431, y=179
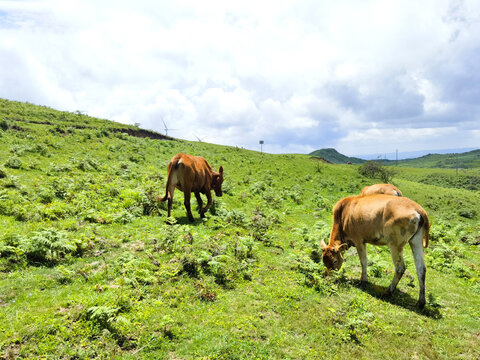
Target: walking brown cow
x=192, y=174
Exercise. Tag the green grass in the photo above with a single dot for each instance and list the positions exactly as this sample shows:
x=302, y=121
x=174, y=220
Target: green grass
x=90, y=269
x=448, y=178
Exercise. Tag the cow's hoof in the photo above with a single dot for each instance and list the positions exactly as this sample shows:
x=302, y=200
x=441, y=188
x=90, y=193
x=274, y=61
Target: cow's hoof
x=421, y=304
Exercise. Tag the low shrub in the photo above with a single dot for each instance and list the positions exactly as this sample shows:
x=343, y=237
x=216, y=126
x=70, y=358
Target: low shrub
x=235, y=217
x=103, y=317
x=13, y=163
x=314, y=274
x=88, y=165
x=296, y=194
x=373, y=169
x=468, y=213
x=57, y=210
x=135, y=272
x=48, y=246
x=257, y=187
x=4, y=125
x=11, y=254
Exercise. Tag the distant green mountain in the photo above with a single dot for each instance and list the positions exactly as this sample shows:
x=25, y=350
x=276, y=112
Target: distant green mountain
x=466, y=160
x=333, y=156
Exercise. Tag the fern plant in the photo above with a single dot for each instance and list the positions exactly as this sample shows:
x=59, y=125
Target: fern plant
x=48, y=246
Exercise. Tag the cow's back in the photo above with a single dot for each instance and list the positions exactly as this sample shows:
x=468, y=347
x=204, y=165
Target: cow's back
x=362, y=217
x=387, y=189
x=370, y=217
x=189, y=172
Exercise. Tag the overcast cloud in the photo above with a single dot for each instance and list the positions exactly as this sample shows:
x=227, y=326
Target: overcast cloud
x=361, y=76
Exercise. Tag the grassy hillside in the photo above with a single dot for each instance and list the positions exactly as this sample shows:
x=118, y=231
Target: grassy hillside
x=448, y=178
x=467, y=160
x=334, y=157
x=90, y=269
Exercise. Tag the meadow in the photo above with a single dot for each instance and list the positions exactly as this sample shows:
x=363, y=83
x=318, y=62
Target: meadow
x=90, y=266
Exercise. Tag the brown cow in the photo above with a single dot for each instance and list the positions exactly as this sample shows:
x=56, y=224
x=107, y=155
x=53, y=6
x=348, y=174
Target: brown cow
x=192, y=174
x=379, y=220
x=387, y=189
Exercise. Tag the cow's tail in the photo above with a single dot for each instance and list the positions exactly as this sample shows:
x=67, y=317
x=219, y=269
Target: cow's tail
x=426, y=226
x=171, y=165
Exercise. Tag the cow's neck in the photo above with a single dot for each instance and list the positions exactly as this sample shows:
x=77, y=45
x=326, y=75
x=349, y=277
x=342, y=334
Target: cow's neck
x=336, y=238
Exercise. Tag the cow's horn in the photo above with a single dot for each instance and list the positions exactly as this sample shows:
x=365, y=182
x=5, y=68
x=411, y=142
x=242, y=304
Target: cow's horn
x=323, y=245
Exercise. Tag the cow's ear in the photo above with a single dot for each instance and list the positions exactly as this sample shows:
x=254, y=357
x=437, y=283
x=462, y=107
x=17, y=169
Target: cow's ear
x=323, y=245
x=220, y=170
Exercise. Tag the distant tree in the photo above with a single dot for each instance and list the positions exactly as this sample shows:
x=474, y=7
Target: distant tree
x=373, y=169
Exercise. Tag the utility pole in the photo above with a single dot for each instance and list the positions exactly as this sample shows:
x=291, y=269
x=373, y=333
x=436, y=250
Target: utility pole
x=456, y=163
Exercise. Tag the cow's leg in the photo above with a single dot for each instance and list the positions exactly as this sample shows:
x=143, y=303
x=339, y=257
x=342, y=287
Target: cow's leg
x=362, y=254
x=397, y=257
x=416, y=243
x=209, y=202
x=169, y=195
x=186, y=202
x=200, y=204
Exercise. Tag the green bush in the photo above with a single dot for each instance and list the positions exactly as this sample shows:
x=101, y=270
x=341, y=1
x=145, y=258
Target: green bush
x=257, y=187
x=46, y=195
x=42, y=149
x=11, y=253
x=57, y=210
x=13, y=163
x=467, y=213
x=48, y=246
x=296, y=194
x=373, y=169
x=103, y=317
x=4, y=125
x=135, y=272
x=88, y=165
x=190, y=265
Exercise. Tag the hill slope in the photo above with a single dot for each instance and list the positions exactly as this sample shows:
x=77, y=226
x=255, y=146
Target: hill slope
x=90, y=269
x=334, y=157
x=466, y=160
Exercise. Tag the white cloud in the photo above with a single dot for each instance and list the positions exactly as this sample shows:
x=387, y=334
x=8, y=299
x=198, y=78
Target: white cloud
x=406, y=140
x=300, y=75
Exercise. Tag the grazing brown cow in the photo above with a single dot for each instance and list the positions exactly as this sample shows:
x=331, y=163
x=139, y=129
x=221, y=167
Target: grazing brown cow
x=379, y=220
x=192, y=174
x=387, y=189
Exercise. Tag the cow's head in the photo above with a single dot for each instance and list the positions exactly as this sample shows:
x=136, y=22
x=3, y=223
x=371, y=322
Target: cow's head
x=332, y=255
x=217, y=182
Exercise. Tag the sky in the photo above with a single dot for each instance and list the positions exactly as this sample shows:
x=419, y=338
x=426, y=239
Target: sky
x=361, y=76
